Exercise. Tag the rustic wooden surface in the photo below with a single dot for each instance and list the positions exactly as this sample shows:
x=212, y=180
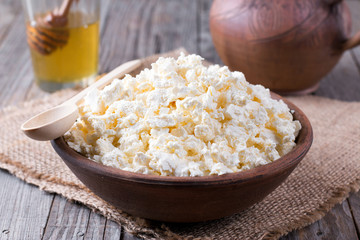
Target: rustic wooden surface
x=134, y=29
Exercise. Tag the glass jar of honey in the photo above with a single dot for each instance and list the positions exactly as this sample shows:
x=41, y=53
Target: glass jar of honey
x=63, y=38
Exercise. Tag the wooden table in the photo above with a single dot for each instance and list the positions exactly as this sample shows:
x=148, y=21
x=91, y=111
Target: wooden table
x=134, y=29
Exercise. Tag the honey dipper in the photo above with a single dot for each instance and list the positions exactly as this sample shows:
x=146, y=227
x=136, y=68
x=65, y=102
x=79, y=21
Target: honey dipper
x=49, y=33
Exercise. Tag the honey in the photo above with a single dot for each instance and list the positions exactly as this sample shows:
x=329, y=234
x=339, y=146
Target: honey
x=74, y=63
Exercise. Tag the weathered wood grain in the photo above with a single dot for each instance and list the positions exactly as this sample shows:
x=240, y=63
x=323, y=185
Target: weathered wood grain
x=15, y=64
x=104, y=16
x=343, y=82
x=23, y=209
x=205, y=44
x=96, y=227
x=9, y=11
x=112, y=231
x=337, y=224
x=141, y=28
x=172, y=24
x=128, y=236
x=66, y=220
x=354, y=204
x=119, y=35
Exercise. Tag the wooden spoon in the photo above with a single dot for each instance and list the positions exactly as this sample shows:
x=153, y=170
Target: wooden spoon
x=49, y=33
x=56, y=121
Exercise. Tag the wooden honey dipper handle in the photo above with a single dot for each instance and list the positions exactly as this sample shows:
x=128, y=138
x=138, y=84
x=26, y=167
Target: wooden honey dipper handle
x=65, y=7
x=58, y=17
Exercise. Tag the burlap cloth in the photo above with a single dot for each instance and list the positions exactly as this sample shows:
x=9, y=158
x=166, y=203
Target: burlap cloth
x=326, y=176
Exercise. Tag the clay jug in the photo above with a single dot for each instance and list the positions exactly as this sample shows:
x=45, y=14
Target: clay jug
x=285, y=45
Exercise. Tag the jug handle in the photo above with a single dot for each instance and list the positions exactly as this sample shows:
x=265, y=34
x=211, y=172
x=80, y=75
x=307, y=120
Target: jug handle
x=352, y=42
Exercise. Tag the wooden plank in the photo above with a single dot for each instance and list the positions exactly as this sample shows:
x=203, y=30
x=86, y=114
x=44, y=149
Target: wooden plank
x=66, y=220
x=105, y=6
x=112, y=231
x=343, y=82
x=9, y=10
x=120, y=33
x=206, y=47
x=15, y=64
x=128, y=236
x=145, y=27
x=96, y=226
x=23, y=207
x=172, y=24
x=337, y=224
x=34, y=92
x=354, y=204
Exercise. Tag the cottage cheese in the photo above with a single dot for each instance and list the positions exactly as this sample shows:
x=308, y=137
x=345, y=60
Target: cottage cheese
x=180, y=118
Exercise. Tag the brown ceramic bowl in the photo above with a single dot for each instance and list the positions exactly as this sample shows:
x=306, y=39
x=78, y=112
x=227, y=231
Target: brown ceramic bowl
x=186, y=199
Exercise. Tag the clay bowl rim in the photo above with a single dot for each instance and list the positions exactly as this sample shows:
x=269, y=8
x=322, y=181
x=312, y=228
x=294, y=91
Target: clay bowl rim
x=304, y=141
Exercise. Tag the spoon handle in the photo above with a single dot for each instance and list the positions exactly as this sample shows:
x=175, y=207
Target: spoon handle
x=65, y=7
x=116, y=73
